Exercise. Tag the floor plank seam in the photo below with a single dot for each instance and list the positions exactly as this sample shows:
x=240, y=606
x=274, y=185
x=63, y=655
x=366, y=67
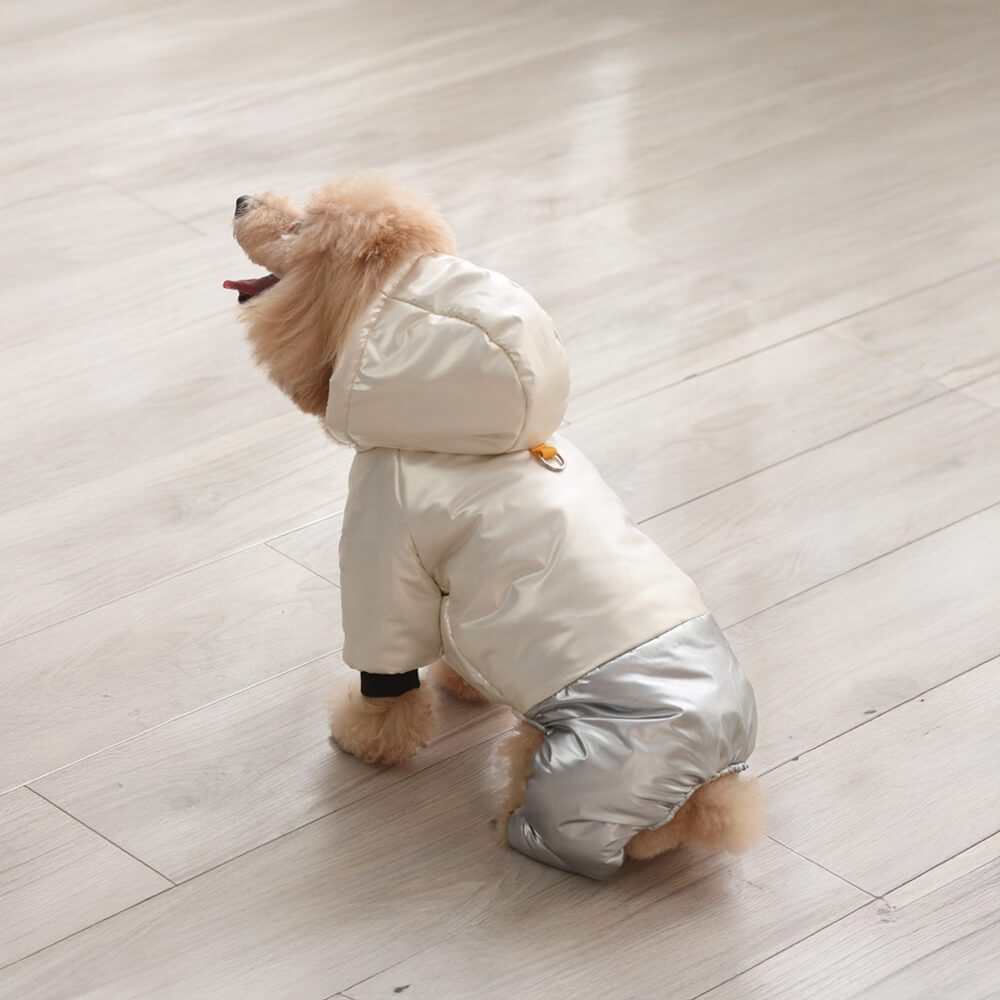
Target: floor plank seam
x=940, y=864
x=866, y=562
x=881, y=715
x=97, y=833
x=348, y=805
x=149, y=206
x=167, y=722
x=373, y=103
x=805, y=451
x=67, y=937
x=183, y=882
x=872, y=896
x=302, y=565
x=826, y=327
x=302, y=527
x=788, y=947
x=725, y=163
x=639, y=191
x=159, y=581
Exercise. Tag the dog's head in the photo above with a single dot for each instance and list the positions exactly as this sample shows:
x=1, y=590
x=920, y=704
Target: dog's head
x=327, y=263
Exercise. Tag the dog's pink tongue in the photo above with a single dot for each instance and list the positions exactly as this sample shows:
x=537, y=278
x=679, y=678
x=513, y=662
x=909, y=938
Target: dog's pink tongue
x=249, y=287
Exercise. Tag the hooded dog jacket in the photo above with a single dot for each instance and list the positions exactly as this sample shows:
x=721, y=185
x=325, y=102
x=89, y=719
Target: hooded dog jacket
x=535, y=584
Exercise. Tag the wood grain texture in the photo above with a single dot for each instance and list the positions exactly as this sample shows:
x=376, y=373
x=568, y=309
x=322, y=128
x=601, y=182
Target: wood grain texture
x=111, y=537
x=650, y=932
x=57, y=877
x=313, y=911
x=742, y=266
x=800, y=523
x=850, y=650
x=204, y=788
x=115, y=672
x=103, y=229
x=947, y=332
x=768, y=235
x=167, y=395
x=932, y=794
x=666, y=448
x=942, y=944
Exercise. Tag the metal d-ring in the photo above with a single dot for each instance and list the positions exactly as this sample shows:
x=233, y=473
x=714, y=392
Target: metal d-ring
x=554, y=464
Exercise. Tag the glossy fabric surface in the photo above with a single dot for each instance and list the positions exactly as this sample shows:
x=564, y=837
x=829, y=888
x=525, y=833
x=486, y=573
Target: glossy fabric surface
x=453, y=358
x=627, y=744
x=526, y=578
x=455, y=538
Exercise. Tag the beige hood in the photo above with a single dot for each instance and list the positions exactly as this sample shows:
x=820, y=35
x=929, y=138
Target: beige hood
x=449, y=358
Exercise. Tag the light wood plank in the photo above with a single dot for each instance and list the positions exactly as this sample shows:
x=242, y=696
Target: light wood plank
x=78, y=549
x=937, y=793
x=95, y=226
x=167, y=394
x=81, y=686
x=314, y=911
x=57, y=877
x=845, y=241
x=796, y=525
x=854, y=648
x=661, y=450
x=604, y=138
x=947, y=332
x=105, y=313
x=320, y=106
x=943, y=944
x=200, y=790
x=651, y=932
x=681, y=185
x=984, y=853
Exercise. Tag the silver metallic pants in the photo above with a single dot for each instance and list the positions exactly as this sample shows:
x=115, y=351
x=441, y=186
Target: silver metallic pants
x=628, y=743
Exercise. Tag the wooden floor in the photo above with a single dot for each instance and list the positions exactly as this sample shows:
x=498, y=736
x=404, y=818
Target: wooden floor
x=769, y=233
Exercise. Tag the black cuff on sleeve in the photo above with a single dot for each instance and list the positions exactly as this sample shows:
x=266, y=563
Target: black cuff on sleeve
x=388, y=685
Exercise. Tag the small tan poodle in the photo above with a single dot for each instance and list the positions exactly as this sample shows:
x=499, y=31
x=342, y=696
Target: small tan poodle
x=474, y=532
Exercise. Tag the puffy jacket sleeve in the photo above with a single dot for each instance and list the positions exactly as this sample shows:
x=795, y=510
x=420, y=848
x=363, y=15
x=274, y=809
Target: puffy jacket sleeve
x=391, y=605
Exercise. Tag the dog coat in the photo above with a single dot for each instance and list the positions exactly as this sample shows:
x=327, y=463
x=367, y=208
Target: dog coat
x=526, y=572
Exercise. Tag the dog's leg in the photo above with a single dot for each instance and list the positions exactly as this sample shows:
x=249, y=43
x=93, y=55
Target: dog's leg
x=726, y=815
x=444, y=677
x=514, y=755
x=382, y=730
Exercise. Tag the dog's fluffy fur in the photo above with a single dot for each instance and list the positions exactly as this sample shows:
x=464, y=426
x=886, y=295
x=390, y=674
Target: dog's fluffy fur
x=382, y=730
x=332, y=259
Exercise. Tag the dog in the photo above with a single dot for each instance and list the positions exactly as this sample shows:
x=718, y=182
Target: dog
x=480, y=542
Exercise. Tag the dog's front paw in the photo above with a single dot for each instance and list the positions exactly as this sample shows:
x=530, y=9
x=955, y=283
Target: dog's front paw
x=382, y=730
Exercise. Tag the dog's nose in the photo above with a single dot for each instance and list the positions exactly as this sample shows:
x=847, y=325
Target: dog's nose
x=243, y=204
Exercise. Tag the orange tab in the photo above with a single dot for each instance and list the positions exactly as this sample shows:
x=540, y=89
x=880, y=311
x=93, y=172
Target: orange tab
x=544, y=451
